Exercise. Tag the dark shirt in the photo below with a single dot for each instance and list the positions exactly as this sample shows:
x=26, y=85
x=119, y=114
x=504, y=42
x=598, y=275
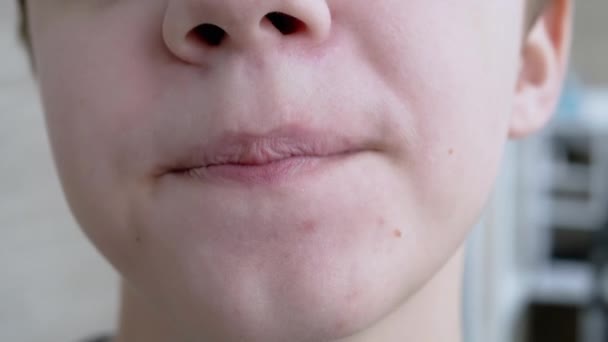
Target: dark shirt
x=102, y=338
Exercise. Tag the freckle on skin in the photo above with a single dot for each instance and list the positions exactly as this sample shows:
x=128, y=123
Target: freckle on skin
x=381, y=221
x=309, y=226
x=397, y=233
x=451, y=151
x=340, y=325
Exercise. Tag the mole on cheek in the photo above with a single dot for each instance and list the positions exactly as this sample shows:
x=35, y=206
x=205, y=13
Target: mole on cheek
x=451, y=152
x=397, y=233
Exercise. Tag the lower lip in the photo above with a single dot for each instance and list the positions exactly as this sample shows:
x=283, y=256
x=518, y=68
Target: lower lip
x=275, y=172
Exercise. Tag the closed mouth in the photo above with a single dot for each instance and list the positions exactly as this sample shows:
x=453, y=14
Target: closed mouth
x=265, y=158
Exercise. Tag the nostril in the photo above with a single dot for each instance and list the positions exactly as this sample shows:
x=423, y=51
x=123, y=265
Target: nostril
x=210, y=34
x=285, y=23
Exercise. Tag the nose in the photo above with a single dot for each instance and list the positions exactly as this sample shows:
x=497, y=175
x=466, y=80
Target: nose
x=191, y=28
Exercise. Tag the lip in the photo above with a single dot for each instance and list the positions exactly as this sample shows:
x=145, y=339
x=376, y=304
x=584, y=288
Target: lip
x=281, y=154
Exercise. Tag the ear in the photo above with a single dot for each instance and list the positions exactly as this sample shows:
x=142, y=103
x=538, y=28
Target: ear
x=544, y=60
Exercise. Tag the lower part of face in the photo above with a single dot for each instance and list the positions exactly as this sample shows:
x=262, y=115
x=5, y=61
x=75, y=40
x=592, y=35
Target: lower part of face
x=423, y=88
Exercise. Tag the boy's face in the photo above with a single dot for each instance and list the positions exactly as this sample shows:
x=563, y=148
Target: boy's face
x=418, y=93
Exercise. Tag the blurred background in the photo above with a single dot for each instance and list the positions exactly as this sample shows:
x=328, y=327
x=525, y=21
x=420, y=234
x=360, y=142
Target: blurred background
x=536, y=266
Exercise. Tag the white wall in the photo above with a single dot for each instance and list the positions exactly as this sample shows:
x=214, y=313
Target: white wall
x=590, y=46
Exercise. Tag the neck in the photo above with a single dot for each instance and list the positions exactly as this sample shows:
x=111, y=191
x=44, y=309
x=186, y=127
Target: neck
x=140, y=321
x=431, y=315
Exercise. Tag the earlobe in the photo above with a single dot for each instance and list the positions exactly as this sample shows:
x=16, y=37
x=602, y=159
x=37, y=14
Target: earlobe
x=544, y=59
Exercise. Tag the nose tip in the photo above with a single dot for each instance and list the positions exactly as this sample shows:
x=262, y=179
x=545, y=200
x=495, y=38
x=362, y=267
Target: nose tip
x=192, y=28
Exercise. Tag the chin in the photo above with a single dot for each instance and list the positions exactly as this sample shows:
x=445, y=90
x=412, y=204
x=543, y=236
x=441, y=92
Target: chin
x=316, y=288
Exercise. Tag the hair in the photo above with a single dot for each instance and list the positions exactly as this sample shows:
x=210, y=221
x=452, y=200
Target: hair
x=533, y=10
x=24, y=32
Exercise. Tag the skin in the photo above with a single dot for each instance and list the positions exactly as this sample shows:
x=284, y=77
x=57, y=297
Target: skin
x=367, y=250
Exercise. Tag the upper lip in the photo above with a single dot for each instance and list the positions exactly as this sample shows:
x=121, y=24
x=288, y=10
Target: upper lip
x=250, y=149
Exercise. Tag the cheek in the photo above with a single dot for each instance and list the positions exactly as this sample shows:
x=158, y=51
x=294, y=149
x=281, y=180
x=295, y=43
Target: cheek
x=458, y=147
x=459, y=88
x=97, y=87
x=96, y=98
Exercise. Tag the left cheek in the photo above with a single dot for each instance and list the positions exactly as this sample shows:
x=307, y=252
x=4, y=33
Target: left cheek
x=466, y=171
x=459, y=151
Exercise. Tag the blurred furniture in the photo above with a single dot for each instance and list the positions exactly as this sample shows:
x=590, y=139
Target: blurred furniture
x=567, y=253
